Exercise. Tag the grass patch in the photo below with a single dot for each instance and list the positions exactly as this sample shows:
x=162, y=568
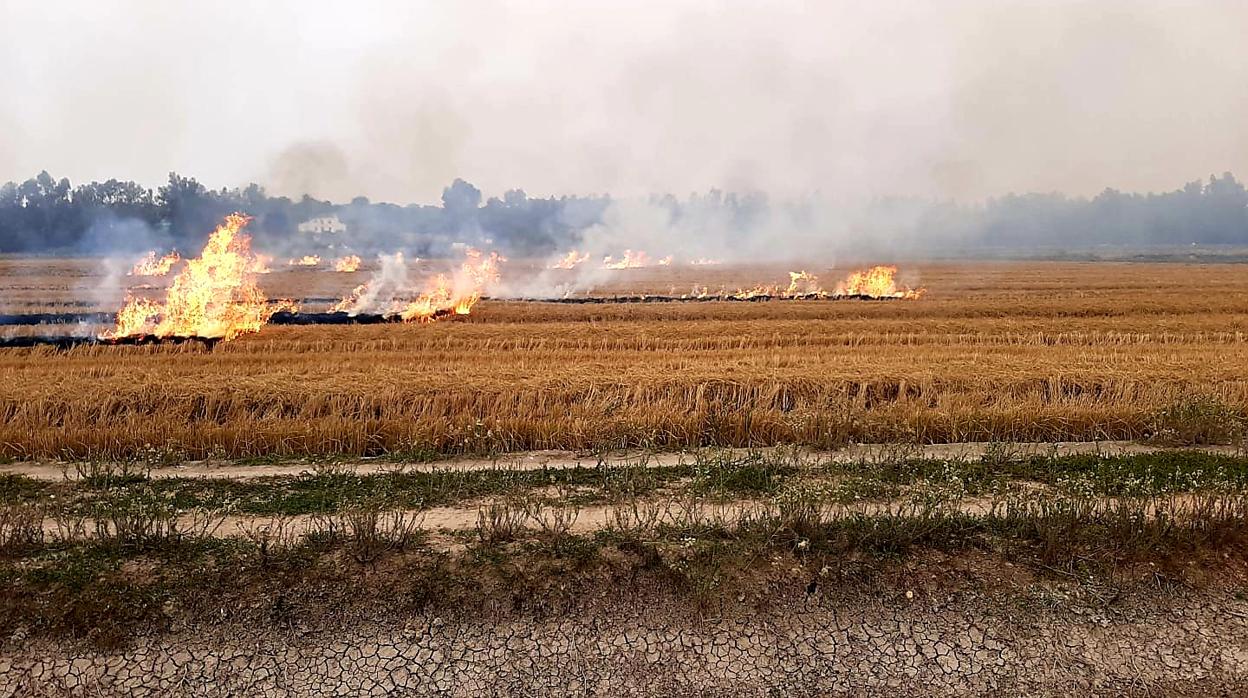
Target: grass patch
x=715, y=475
x=1197, y=420
x=329, y=490
x=752, y=473
x=16, y=489
x=1159, y=472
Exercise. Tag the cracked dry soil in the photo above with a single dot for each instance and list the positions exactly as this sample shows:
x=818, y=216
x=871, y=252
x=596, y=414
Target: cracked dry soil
x=1191, y=644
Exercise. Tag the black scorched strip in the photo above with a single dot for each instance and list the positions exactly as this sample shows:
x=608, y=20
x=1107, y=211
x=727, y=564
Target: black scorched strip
x=757, y=298
x=283, y=317
x=289, y=318
x=58, y=319
x=63, y=343
x=286, y=317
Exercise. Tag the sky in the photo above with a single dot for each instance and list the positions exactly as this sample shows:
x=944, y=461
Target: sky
x=959, y=99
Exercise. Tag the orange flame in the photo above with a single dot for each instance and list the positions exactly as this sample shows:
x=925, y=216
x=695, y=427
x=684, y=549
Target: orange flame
x=703, y=261
x=309, y=260
x=350, y=301
x=666, y=261
x=802, y=283
x=216, y=295
x=442, y=295
x=460, y=292
x=630, y=260
x=349, y=263
x=745, y=294
x=876, y=282
x=570, y=260
x=151, y=265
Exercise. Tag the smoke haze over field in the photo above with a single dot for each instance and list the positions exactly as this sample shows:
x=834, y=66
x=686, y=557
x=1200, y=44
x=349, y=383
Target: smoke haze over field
x=961, y=99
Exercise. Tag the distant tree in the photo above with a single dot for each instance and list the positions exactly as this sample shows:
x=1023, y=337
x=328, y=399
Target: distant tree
x=188, y=208
x=515, y=197
x=461, y=198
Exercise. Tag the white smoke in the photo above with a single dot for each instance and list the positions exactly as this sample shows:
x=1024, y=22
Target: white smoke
x=380, y=292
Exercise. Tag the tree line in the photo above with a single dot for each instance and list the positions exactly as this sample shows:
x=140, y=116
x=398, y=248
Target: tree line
x=48, y=215
x=44, y=214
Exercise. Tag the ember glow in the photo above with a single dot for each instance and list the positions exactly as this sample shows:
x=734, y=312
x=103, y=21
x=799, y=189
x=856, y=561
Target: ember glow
x=570, y=260
x=309, y=260
x=151, y=265
x=216, y=295
x=876, y=282
x=349, y=263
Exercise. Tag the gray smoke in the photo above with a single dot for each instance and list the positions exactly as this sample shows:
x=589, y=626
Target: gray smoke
x=965, y=99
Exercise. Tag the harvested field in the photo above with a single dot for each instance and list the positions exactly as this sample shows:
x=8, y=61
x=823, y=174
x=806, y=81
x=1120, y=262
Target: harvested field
x=972, y=492
x=994, y=351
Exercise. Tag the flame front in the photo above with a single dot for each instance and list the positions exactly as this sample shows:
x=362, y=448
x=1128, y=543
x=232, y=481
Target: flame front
x=443, y=295
x=876, y=282
x=349, y=302
x=802, y=283
x=570, y=260
x=349, y=263
x=308, y=260
x=216, y=295
x=458, y=293
x=151, y=265
x=704, y=262
x=630, y=260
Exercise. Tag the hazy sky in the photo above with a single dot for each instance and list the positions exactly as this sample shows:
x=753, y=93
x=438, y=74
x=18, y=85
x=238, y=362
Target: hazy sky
x=394, y=99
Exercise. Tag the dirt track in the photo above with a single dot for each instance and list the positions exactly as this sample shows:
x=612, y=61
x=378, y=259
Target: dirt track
x=536, y=460
x=994, y=632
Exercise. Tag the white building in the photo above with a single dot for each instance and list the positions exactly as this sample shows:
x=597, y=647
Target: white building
x=324, y=224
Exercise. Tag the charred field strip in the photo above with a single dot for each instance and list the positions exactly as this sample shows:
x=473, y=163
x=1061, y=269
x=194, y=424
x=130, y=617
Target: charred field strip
x=278, y=318
x=345, y=318
x=335, y=318
x=64, y=343
x=20, y=319
x=706, y=298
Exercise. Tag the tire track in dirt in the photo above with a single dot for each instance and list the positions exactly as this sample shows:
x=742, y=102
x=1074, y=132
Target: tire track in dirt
x=537, y=460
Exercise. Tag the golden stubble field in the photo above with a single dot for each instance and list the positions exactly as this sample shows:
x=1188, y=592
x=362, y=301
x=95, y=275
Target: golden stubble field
x=1010, y=351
